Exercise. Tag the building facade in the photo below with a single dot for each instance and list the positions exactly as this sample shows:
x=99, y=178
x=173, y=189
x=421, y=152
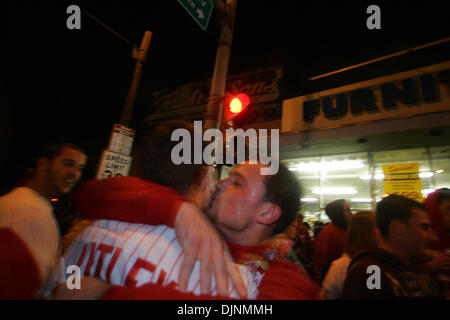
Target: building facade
x=341, y=143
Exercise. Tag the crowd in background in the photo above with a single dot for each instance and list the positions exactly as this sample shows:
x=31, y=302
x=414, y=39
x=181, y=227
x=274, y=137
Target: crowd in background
x=398, y=251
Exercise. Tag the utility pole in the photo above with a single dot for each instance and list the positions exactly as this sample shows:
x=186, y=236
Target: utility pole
x=121, y=140
x=226, y=15
x=140, y=56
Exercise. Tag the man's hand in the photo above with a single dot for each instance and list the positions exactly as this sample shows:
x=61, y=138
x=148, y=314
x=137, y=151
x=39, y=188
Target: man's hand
x=201, y=241
x=441, y=264
x=91, y=289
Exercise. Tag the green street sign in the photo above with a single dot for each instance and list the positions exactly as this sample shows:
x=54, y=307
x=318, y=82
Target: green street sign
x=200, y=10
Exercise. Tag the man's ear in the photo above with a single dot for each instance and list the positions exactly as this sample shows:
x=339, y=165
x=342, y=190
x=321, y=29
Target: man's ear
x=269, y=214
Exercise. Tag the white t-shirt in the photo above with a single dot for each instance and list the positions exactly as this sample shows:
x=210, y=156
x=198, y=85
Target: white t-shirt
x=333, y=283
x=134, y=254
x=31, y=217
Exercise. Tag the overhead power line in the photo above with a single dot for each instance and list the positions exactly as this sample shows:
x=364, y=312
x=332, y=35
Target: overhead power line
x=110, y=29
x=382, y=58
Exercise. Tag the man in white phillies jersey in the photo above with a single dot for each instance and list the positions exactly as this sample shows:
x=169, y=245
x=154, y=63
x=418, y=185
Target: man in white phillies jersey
x=248, y=209
x=134, y=254
x=191, y=180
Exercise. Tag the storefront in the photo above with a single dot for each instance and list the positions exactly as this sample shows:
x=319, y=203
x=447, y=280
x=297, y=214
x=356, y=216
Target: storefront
x=341, y=143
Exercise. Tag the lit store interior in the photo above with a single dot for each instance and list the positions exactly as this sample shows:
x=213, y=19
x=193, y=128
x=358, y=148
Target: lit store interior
x=358, y=177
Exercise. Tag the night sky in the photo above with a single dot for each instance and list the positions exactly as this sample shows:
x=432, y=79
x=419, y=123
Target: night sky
x=70, y=85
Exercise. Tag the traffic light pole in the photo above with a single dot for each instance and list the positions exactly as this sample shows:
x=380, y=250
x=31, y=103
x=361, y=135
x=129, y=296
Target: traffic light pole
x=225, y=14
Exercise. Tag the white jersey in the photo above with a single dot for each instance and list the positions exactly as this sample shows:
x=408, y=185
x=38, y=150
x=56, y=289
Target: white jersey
x=135, y=254
x=31, y=217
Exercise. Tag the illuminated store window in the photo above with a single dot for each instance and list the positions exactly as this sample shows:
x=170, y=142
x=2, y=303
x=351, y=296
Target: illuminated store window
x=341, y=179
x=308, y=174
x=325, y=179
x=440, y=166
x=418, y=155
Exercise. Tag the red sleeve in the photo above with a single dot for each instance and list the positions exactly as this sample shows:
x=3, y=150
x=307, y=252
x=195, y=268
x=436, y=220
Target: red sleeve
x=129, y=199
x=285, y=281
x=19, y=273
x=153, y=291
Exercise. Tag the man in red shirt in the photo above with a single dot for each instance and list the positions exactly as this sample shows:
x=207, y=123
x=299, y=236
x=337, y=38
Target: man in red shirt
x=248, y=210
x=329, y=243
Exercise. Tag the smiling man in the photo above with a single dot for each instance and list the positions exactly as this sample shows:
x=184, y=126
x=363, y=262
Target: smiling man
x=28, y=229
x=404, y=234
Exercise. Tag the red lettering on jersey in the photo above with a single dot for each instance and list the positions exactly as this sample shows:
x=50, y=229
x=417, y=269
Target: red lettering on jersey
x=161, y=277
x=140, y=263
x=112, y=263
x=104, y=249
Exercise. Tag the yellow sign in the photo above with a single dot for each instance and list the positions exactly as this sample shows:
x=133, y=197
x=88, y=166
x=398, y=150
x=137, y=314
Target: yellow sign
x=403, y=179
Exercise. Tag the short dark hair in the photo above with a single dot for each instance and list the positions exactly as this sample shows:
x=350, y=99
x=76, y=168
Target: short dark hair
x=156, y=162
x=52, y=151
x=283, y=190
x=394, y=207
x=442, y=194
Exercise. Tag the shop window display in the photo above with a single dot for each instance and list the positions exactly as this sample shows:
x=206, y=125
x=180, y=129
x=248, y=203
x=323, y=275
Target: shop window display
x=358, y=177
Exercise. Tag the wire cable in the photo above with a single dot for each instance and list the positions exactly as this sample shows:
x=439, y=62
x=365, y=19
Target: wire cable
x=110, y=29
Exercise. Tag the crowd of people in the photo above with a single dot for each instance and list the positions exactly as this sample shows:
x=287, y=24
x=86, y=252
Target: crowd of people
x=173, y=233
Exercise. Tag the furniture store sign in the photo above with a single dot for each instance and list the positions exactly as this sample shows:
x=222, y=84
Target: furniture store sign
x=401, y=95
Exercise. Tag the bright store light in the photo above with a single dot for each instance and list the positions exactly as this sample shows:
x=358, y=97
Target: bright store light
x=439, y=171
x=307, y=166
x=328, y=166
x=341, y=190
x=364, y=200
x=378, y=176
x=309, y=199
x=426, y=174
x=342, y=165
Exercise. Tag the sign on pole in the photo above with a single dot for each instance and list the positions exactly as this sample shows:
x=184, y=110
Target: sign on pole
x=200, y=10
x=113, y=165
x=121, y=139
x=116, y=160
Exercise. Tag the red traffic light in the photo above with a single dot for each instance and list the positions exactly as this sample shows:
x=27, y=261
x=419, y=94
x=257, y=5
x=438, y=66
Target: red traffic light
x=238, y=103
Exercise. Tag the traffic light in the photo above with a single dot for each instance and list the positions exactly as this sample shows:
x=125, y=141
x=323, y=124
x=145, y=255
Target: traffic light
x=235, y=105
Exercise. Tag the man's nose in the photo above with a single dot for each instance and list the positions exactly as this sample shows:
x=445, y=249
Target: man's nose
x=74, y=172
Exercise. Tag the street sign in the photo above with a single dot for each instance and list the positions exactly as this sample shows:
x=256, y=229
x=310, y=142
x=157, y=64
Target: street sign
x=200, y=10
x=113, y=164
x=121, y=140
